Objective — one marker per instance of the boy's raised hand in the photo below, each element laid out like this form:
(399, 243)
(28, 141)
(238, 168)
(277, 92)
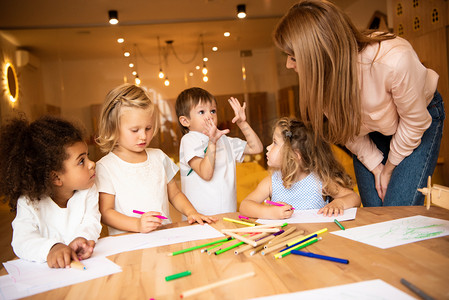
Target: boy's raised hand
(212, 131)
(239, 110)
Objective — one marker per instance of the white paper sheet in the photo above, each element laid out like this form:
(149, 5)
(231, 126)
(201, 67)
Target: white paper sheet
(365, 290)
(312, 216)
(117, 244)
(29, 278)
(397, 232)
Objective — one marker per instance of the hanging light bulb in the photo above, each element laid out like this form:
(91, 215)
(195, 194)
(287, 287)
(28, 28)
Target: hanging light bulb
(166, 82)
(161, 74)
(204, 70)
(241, 11)
(131, 65)
(113, 17)
(137, 80)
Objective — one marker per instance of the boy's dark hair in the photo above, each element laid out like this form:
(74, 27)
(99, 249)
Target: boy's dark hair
(30, 152)
(188, 99)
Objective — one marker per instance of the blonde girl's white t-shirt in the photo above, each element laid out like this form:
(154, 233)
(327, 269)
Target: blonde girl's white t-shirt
(219, 195)
(137, 186)
(39, 225)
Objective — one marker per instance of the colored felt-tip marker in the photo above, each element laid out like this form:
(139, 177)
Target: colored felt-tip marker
(243, 217)
(157, 216)
(339, 225)
(309, 254)
(178, 275)
(239, 222)
(276, 204)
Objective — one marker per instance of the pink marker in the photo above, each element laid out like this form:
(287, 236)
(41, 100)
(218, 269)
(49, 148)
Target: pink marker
(275, 203)
(243, 217)
(141, 213)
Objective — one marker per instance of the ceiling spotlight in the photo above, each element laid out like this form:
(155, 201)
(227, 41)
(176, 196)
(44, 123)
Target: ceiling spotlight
(214, 48)
(241, 11)
(113, 17)
(126, 54)
(120, 40)
(131, 65)
(227, 33)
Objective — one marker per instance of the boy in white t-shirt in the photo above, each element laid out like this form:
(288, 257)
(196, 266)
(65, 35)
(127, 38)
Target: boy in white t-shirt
(207, 156)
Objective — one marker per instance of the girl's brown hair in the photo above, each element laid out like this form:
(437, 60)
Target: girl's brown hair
(315, 155)
(325, 45)
(126, 95)
(30, 152)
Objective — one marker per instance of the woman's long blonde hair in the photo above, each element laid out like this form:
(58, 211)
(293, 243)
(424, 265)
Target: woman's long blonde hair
(326, 44)
(125, 95)
(315, 156)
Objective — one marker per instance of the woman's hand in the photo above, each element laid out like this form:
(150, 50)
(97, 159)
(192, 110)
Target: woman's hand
(382, 176)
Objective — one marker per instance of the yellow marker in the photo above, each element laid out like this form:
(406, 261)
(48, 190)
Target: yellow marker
(240, 222)
(307, 236)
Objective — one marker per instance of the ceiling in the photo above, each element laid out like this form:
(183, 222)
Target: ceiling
(79, 29)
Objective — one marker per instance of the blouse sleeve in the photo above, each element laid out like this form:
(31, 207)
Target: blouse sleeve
(27, 242)
(408, 92)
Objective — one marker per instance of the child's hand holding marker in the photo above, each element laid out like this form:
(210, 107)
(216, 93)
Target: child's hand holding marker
(282, 210)
(149, 221)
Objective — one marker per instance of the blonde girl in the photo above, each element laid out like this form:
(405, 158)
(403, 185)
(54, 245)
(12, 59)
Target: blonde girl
(304, 173)
(131, 177)
(370, 92)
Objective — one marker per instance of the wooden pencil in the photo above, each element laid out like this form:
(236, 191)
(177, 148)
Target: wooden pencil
(207, 287)
(278, 246)
(242, 238)
(251, 229)
(286, 238)
(282, 235)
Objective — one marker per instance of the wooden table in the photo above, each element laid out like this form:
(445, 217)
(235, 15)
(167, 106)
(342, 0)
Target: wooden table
(424, 263)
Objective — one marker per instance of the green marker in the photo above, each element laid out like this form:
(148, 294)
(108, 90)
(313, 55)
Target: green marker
(178, 275)
(339, 225)
(191, 170)
(198, 247)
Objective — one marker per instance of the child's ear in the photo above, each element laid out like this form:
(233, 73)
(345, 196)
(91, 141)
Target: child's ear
(55, 179)
(184, 121)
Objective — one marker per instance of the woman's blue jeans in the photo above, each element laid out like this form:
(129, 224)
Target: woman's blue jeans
(412, 172)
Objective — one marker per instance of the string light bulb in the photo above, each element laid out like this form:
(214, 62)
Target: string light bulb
(166, 82)
(205, 78)
(161, 74)
(137, 80)
(113, 17)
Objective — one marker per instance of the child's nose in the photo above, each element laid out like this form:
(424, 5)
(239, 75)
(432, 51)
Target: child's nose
(91, 164)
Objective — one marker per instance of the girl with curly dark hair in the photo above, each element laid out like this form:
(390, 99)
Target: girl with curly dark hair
(47, 178)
